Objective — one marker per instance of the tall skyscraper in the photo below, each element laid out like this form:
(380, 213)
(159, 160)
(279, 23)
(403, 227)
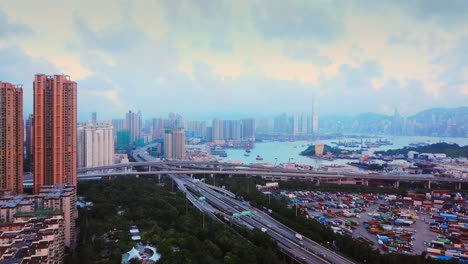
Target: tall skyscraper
(133, 124)
(95, 146)
(315, 117)
(174, 143)
(54, 130)
(248, 129)
(94, 118)
(158, 127)
(11, 138)
(281, 124)
(302, 124)
(217, 130)
(295, 124)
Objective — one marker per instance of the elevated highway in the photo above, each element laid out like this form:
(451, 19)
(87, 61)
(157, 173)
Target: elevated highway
(283, 176)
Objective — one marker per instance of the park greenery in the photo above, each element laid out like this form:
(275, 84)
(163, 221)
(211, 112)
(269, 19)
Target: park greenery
(451, 150)
(245, 188)
(180, 232)
(310, 151)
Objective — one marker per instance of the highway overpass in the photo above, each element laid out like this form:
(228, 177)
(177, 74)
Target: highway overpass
(283, 176)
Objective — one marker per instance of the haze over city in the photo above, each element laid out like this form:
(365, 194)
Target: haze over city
(234, 132)
(241, 58)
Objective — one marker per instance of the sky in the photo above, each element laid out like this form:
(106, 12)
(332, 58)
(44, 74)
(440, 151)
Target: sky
(245, 58)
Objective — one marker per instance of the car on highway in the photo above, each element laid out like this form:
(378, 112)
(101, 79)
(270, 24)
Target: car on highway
(322, 255)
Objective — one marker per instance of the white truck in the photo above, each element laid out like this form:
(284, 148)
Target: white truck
(298, 236)
(263, 230)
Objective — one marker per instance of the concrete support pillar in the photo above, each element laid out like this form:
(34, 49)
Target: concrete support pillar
(191, 175)
(458, 186)
(317, 182)
(339, 181)
(365, 182)
(159, 178)
(397, 184)
(428, 185)
(149, 168)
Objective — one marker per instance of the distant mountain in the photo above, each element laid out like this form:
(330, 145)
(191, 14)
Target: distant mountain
(439, 122)
(432, 122)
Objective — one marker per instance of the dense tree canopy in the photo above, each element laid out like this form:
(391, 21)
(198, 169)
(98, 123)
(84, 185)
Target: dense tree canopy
(164, 222)
(452, 150)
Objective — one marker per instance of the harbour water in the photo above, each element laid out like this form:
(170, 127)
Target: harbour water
(282, 152)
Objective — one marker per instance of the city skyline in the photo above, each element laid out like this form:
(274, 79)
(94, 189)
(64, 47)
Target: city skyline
(242, 58)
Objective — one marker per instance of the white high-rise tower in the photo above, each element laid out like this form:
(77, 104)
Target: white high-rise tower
(315, 116)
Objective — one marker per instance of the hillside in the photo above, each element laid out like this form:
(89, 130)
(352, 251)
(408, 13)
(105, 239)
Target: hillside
(451, 150)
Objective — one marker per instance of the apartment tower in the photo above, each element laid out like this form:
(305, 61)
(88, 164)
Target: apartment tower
(95, 144)
(11, 138)
(54, 130)
(133, 124)
(174, 143)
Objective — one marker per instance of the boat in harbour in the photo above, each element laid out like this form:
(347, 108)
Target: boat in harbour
(259, 158)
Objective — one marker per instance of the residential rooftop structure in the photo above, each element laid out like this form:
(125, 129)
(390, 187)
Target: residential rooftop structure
(35, 237)
(60, 197)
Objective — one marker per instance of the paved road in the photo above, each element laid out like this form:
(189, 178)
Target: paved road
(305, 250)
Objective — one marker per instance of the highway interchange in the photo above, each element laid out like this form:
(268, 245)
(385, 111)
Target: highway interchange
(304, 251)
(220, 202)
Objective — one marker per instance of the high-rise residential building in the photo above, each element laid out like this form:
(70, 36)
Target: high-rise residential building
(118, 124)
(28, 141)
(195, 128)
(174, 143)
(133, 124)
(175, 120)
(158, 127)
(264, 126)
(231, 129)
(54, 130)
(122, 140)
(11, 138)
(248, 129)
(217, 130)
(281, 124)
(95, 144)
(209, 134)
(243, 129)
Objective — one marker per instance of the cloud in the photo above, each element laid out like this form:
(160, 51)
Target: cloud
(244, 57)
(19, 68)
(121, 37)
(9, 29)
(303, 52)
(445, 12)
(293, 20)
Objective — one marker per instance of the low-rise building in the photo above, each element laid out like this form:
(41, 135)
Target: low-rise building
(33, 237)
(60, 197)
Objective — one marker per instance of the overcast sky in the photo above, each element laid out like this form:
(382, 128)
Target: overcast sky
(213, 58)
